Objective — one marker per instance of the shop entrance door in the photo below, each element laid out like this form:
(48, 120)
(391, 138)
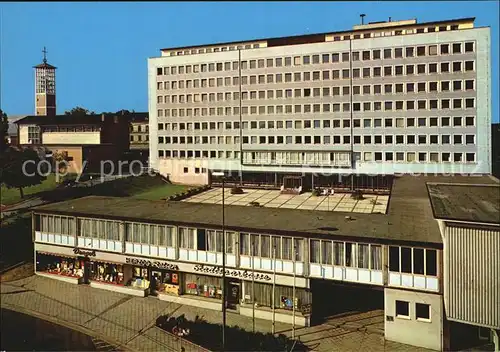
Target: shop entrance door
(233, 297)
(86, 270)
(156, 279)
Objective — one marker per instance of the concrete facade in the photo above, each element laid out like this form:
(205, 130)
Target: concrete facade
(410, 328)
(246, 114)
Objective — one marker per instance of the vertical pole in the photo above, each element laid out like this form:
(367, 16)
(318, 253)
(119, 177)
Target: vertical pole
(274, 289)
(350, 109)
(241, 118)
(253, 281)
(223, 273)
(496, 340)
(293, 299)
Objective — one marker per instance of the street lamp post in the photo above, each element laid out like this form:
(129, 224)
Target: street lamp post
(221, 174)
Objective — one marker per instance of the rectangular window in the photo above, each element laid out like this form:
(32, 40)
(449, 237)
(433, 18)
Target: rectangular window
(423, 311)
(402, 309)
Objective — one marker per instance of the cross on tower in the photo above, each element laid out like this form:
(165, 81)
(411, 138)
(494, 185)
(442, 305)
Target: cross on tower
(44, 51)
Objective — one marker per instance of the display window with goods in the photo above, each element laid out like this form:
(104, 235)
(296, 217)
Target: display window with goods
(57, 265)
(205, 286)
(140, 278)
(164, 282)
(107, 273)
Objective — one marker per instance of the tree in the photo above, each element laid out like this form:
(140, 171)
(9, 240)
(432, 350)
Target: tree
(4, 128)
(79, 111)
(122, 112)
(61, 161)
(20, 168)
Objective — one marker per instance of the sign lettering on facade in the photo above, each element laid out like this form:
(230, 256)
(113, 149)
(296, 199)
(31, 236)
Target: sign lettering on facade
(241, 274)
(151, 263)
(85, 253)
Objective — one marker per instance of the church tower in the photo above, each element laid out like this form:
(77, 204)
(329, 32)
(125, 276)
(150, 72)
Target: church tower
(45, 88)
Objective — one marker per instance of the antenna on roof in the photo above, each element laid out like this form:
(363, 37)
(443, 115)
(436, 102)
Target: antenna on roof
(362, 18)
(390, 18)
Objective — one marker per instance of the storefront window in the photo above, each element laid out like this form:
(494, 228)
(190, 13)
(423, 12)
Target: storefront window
(201, 285)
(139, 278)
(105, 272)
(165, 281)
(59, 265)
(283, 295)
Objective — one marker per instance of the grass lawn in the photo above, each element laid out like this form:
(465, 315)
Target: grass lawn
(160, 192)
(11, 195)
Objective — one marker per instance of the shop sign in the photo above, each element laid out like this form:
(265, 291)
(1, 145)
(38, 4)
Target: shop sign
(83, 252)
(241, 274)
(151, 263)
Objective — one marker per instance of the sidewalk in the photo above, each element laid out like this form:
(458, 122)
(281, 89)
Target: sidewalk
(129, 322)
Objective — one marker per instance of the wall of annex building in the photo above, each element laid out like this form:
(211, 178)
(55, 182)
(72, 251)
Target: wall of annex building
(482, 109)
(414, 318)
(472, 274)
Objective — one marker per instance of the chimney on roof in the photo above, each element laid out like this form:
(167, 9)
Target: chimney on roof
(103, 117)
(362, 18)
(390, 19)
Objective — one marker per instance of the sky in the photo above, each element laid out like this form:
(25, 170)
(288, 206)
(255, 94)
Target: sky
(101, 48)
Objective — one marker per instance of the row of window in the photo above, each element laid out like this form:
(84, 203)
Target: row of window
(422, 311)
(367, 89)
(418, 261)
(83, 128)
(323, 158)
(326, 58)
(139, 138)
(293, 158)
(384, 32)
(398, 122)
(324, 75)
(297, 158)
(140, 128)
(423, 104)
(421, 139)
(213, 49)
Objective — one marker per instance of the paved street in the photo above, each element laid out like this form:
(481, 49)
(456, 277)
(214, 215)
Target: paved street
(128, 322)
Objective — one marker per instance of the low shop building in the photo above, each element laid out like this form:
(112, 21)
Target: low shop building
(293, 266)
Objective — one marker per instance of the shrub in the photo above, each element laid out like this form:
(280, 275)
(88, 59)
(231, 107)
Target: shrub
(357, 195)
(237, 190)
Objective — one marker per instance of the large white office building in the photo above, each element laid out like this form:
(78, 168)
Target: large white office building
(382, 98)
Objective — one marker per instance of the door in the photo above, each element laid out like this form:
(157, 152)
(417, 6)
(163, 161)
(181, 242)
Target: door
(86, 270)
(156, 279)
(233, 297)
